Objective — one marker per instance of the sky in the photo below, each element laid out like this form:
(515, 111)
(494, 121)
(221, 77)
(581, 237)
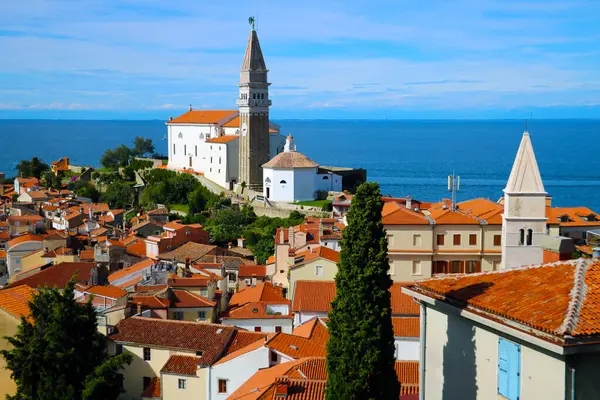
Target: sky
(139, 59)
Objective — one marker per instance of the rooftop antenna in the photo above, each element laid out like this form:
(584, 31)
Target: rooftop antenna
(453, 186)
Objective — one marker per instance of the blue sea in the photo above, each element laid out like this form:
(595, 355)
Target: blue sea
(406, 157)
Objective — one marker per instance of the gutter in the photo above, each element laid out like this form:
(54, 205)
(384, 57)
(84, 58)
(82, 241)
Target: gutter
(423, 341)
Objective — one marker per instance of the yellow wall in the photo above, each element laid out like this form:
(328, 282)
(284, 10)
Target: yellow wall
(401, 267)
(306, 272)
(195, 386)
(8, 327)
(191, 314)
(463, 230)
(402, 237)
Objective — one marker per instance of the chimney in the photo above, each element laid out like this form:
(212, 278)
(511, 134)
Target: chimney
(548, 201)
(139, 308)
(283, 386)
(408, 202)
(241, 242)
(170, 118)
(291, 237)
(289, 144)
(281, 236)
(229, 245)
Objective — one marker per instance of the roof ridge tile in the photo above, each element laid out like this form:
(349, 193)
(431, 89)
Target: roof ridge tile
(578, 295)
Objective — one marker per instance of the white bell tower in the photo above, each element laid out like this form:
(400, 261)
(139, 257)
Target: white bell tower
(524, 218)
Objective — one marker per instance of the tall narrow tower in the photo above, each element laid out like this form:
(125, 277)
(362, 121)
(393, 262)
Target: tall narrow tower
(524, 218)
(254, 106)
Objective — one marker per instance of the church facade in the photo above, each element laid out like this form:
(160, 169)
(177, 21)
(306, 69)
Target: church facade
(230, 146)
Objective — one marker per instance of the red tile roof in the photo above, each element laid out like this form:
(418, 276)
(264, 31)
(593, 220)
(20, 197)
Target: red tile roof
(137, 248)
(307, 328)
(242, 339)
(196, 281)
(316, 252)
(28, 237)
(106, 291)
(298, 347)
(58, 275)
(562, 299)
(204, 117)
(184, 299)
(406, 326)
(265, 291)
(316, 296)
(574, 216)
(251, 347)
(259, 271)
(211, 339)
(151, 301)
(15, 300)
(443, 216)
(401, 215)
(147, 263)
(407, 372)
(181, 365)
(223, 139)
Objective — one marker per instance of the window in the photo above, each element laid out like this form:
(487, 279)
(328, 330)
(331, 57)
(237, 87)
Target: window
(521, 237)
(416, 267)
(180, 136)
(495, 265)
(319, 270)
(184, 149)
(416, 240)
(278, 329)
(440, 239)
(178, 315)
(119, 349)
(257, 329)
(147, 356)
(472, 240)
(455, 267)
(456, 240)
(173, 148)
(219, 171)
(282, 182)
(273, 357)
(325, 177)
(199, 353)
(509, 369)
(497, 240)
(472, 266)
(181, 383)
(196, 150)
(222, 386)
(529, 237)
(201, 315)
(146, 381)
(232, 277)
(203, 291)
(211, 160)
(219, 160)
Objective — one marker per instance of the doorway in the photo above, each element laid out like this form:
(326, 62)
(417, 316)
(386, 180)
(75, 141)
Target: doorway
(268, 192)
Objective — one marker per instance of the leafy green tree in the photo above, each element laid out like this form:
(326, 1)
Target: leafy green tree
(85, 189)
(360, 350)
(119, 195)
(227, 225)
(142, 146)
(58, 353)
(52, 181)
(33, 168)
(115, 158)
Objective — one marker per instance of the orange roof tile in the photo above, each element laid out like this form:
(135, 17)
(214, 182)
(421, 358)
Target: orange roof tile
(211, 339)
(234, 123)
(560, 298)
(15, 300)
(138, 249)
(316, 296)
(181, 365)
(147, 263)
(242, 339)
(151, 301)
(404, 216)
(406, 326)
(252, 270)
(223, 139)
(298, 347)
(290, 159)
(58, 275)
(110, 291)
(407, 372)
(314, 253)
(254, 387)
(307, 328)
(251, 347)
(443, 216)
(253, 311)
(86, 255)
(130, 283)
(265, 291)
(574, 216)
(28, 237)
(204, 117)
(197, 281)
(485, 209)
(185, 299)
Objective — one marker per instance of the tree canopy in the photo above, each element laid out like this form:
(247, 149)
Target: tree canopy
(119, 195)
(360, 350)
(58, 354)
(142, 146)
(32, 168)
(117, 157)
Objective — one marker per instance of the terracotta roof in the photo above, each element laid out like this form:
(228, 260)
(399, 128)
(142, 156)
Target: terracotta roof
(242, 339)
(574, 216)
(15, 300)
(223, 139)
(190, 250)
(147, 263)
(485, 209)
(86, 255)
(138, 249)
(254, 311)
(28, 237)
(59, 251)
(158, 211)
(58, 275)
(295, 389)
(252, 270)
(298, 347)
(181, 365)
(270, 260)
(406, 326)
(234, 123)
(265, 291)
(37, 195)
(307, 328)
(448, 217)
(211, 339)
(560, 298)
(203, 116)
(130, 283)
(2, 254)
(197, 281)
(314, 253)
(185, 299)
(110, 291)
(251, 347)
(290, 159)
(261, 381)
(407, 372)
(401, 215)
(153, 390)
(316, 296)
(151, 301)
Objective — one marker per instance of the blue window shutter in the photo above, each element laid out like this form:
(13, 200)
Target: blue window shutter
(509, 369)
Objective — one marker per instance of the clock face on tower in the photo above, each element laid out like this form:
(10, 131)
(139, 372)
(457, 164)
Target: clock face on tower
(244, 129)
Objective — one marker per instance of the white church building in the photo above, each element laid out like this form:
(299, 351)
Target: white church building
(291, 176)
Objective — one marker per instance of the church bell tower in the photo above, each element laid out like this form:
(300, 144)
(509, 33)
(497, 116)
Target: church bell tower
(253, 103)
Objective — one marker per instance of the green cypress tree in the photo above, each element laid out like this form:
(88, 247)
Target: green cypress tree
(58, 352)
(360, 350)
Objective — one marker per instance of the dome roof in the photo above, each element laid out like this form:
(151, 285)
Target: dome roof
(290, 159)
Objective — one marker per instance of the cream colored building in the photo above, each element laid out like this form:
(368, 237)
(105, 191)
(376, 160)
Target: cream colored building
(525, 333)
(442, 239)
(316, 264)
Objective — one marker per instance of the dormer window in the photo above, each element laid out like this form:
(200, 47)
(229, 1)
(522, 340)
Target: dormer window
(564, 218)
(590, 218)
